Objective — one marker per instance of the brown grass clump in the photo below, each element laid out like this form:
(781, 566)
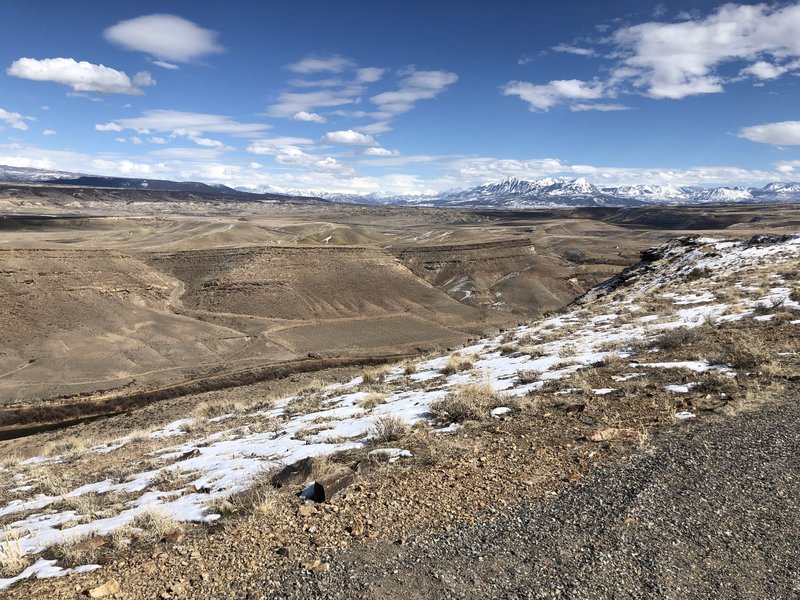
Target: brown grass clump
(372, 400)
(388, 428)
(155, 525)
(409, 367)
(509, 348)
(375, 375)
(528, 376)
(12, 561)
(471, 402)
(677, 338)
(75, 550)
(457, 363)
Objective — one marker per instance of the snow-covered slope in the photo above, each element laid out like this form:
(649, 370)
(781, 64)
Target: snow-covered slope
(28, 175)
(515, 193)
(724, 195)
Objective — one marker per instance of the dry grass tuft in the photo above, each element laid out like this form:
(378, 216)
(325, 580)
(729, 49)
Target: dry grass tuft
(409, 367)
(528, 376)
(73, 550)
(471, 402)
(388, 428)
(375, 375)
(457, 363)
(12, 561)
(155, 525)
(371, 400)
(677, 338)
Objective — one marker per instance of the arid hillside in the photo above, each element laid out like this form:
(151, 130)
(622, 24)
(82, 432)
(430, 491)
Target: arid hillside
(690, 352)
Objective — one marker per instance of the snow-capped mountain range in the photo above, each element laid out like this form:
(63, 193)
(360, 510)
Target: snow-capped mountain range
(513, 193)
(510, 193)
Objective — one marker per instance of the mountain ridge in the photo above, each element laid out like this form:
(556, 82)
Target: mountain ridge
(508, 193)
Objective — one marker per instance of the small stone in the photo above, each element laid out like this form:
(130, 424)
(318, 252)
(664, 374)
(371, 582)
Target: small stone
(173, 536)
(101, 591)
(307, 510)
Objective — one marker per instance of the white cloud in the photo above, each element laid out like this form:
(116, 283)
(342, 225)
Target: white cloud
(788, 166)
(378, 151)
(308, 117)
(157, 140)
(544, 97)
(14, 119)
(166, 65)
(578, 51)
(375, 128)
(784, 133)
(311, 83)
(331, 64)
(685, 58)
(675, 60)
(136, 140)
(349, 137)
(193, 154)
(80, 76)
(49, 132)
(370, 74)
(275, 144)
(168, 38)
(201, 141)
(186, 123)
(415, 86)
(600, 106)
(292, 103)
(766, 70)
(107, 127)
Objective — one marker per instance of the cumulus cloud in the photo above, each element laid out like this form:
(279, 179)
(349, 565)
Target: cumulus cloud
(107, 127)
(13, 119)
(80, 76)
(168, 38)
(330, 64)
(49, 132)
(544, 97)
(783, 133)
(675, 60)
(308, 117)
(766, 70)
(349, 137)
(186, 123)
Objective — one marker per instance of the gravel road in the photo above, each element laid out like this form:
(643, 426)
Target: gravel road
(709, 511)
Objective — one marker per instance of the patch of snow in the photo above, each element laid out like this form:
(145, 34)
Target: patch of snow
(500, 411)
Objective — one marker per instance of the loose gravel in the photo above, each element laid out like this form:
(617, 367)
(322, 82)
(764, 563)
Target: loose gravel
(710, 511)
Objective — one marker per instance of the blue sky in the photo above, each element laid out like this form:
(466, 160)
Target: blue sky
(403, 97)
